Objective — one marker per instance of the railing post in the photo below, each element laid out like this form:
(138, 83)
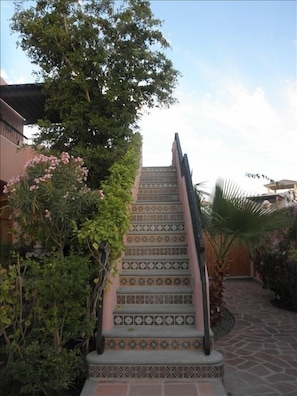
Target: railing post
(100, 339)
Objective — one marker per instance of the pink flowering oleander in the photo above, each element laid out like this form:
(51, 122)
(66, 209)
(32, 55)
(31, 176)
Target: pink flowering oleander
(52, 163)
(65, 157)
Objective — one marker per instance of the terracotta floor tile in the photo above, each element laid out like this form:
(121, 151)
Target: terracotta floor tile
(180, 390)
(205, 389)
(111, 389)
(145, 389)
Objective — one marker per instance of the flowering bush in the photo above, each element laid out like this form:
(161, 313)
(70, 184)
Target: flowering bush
(50, 199)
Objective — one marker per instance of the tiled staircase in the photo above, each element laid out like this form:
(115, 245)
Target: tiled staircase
(154, 333)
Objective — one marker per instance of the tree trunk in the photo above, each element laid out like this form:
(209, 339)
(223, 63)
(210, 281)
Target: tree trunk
(216, 293)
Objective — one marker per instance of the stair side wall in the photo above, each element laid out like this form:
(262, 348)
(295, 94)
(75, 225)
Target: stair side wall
(193, 260)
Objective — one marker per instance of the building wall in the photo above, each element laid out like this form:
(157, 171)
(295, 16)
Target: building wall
(13, 157)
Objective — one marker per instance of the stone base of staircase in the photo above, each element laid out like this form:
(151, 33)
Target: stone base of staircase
(179, 364)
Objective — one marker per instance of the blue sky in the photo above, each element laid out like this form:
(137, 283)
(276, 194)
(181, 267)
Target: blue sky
(237, 110)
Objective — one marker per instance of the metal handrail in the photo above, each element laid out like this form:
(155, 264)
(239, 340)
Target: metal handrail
(198, 236)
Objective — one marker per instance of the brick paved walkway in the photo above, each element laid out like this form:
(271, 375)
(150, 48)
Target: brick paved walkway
(260, 352)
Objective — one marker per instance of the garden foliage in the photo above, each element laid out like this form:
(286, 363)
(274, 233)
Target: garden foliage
(47, 303)
(275, 260)
(231, 218)
(102, 62)
(50, 199)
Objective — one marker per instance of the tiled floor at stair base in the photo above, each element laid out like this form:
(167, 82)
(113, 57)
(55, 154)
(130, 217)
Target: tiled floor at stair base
(154, 388)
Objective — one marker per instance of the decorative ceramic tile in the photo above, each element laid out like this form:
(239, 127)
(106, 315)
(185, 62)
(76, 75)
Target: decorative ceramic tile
(150, 228)
(157, 169)
(153, 319)
(155, 238)
(157, 208)
(156, 185)
(156, 371)
(156, 251)
(156, 218)
(154, 344)
(155, 265)
(157, 191)
(158, 280)
(158, 197)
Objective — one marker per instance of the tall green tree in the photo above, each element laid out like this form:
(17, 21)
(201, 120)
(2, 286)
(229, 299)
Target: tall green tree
(103, 63)
(230, 219)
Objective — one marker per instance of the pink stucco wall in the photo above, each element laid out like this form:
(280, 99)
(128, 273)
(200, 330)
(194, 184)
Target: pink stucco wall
(193, 260)
(12, 158)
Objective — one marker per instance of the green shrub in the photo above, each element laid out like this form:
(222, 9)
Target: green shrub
(113, 220)
(44, 321)
(276, 262)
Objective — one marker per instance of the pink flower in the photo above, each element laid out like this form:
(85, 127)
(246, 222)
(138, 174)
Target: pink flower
(65, 157)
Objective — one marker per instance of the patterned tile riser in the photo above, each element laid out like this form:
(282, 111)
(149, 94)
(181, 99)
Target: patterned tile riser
(151, 344)
(157, 208)
(153, 218)
(158, 169)
(154, 299)
(156, 371)
(157, 191)
(155, 239)
(163, 185)
(122, 319)
(158, 197)
(156, 228)
(135, 280)
(148, 179)
(155, 265)
(156, 251)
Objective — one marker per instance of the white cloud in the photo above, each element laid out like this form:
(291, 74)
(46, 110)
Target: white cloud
(13, 77)
(228, 133)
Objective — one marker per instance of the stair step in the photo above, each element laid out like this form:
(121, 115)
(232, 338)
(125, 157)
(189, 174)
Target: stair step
(155, 364)
(155, 238)
(157, 169)
(186, 331)
(147, 218)
(149, 263)
(159, 295)
(157, 208)
(156, 185)
(158, 198)
(149, 314)
(159, 251)
(153, 338)
(157, 280)
(156, 227)
(158, 191)
(155, 290)
(165, 309)
(169, 177)
(154, 299)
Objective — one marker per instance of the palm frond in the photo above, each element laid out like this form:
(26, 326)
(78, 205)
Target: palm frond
(232, 216)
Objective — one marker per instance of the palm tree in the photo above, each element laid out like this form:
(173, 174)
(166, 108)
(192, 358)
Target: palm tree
(231, 218)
